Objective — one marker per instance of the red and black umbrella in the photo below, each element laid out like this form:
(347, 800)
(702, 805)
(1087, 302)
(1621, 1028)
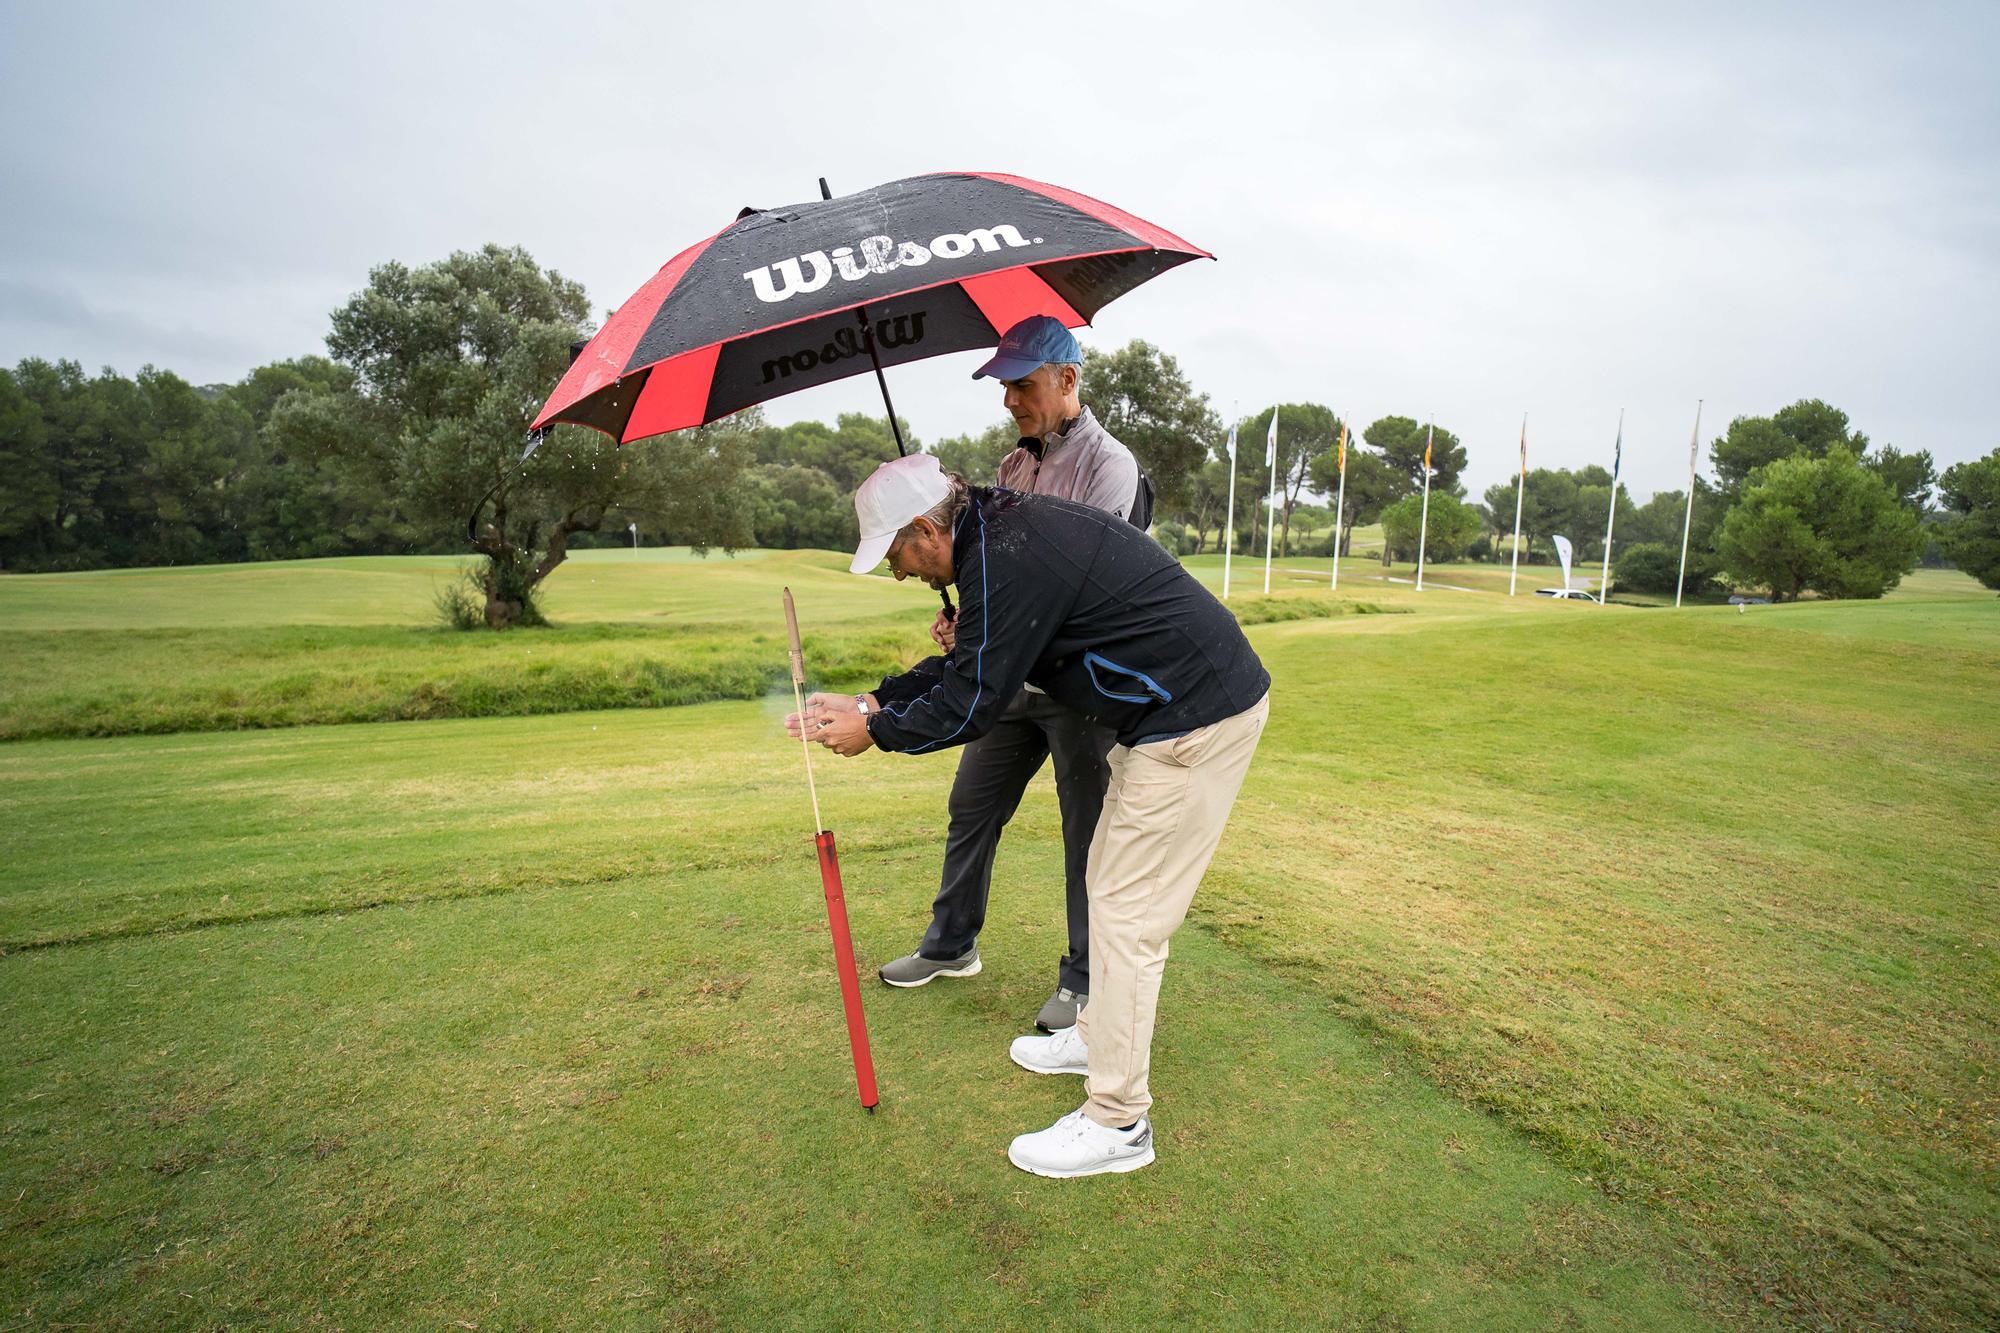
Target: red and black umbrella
(788, 298)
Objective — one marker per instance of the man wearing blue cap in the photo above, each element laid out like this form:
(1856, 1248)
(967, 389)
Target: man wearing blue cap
(1063, 452)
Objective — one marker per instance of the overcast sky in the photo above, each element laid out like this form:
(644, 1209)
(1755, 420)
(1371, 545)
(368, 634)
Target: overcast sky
(1465, 209)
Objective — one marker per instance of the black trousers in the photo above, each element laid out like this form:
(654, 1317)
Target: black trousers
(993, 771)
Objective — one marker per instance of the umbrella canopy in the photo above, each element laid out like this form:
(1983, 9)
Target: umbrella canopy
(789, 298)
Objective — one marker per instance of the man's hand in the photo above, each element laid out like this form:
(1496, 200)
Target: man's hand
(845, 733)
(835, 721)
(944, 631)
(818, 706)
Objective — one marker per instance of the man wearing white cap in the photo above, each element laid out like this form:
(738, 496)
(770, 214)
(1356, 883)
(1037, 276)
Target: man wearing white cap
(1097, 615)
(1064, 452)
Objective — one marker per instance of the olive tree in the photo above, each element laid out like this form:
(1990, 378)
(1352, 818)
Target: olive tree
(450, 362)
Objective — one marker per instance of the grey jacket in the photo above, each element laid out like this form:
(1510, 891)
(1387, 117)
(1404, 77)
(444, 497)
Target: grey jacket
(1086, 465)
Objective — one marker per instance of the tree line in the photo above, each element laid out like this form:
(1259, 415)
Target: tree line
(408, 436)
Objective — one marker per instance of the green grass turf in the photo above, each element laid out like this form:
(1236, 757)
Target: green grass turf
(1563, 965)
(622, 1097)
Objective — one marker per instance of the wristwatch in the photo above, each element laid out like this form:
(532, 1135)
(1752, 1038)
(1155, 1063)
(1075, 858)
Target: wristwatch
(861, 704)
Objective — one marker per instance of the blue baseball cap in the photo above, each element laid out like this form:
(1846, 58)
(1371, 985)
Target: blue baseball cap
(1034, 342)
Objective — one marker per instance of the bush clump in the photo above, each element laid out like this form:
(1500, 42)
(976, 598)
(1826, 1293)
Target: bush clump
(461, 603)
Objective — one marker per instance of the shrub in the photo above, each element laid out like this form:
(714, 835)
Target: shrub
(1174, 536)
(461, 603)
(1646, 567)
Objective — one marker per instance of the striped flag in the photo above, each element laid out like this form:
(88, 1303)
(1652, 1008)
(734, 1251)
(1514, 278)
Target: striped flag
(1520, 493)
(1339, 508)
(1428, 432)
(1617, 453)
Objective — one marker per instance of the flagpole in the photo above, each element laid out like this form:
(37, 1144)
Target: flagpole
(1229, 517)
(1339, 506)
(1424, 530)
(1687, 523)
(1520, 486)
(1617, 453)
(1271, 504)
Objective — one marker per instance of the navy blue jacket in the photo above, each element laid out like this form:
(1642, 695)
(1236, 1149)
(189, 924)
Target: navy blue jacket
(1084, 606)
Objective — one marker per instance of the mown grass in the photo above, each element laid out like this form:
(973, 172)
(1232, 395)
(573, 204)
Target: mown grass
(582, 1065)
(1704, 903)
(1563, 965)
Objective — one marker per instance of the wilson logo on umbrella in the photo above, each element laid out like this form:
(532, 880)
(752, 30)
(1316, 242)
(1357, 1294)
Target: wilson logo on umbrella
(879, 254)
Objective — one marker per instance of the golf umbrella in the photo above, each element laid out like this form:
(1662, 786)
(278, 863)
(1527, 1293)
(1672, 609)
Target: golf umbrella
(789, 298)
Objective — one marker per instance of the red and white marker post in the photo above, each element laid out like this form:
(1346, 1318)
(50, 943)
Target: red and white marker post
(836, 899)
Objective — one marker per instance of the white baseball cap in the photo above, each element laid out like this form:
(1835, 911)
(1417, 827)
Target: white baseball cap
(898, 491)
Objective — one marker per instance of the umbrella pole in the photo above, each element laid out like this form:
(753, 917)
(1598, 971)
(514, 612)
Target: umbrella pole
(836, 898)
(874, 358)
(882, 382)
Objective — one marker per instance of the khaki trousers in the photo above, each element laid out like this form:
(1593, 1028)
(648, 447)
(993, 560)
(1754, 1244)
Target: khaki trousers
(1163, 815)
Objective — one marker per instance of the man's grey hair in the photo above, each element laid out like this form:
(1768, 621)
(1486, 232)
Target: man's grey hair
(1057, 366)
(946, 511)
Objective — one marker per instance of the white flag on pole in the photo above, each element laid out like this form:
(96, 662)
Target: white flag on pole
(1271, 502)
(1424, 524)
(1562, 552)
(1611, 514)
(1232, 444)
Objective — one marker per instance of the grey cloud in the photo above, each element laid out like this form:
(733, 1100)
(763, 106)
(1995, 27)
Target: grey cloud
(1563, 207)
(55, 322)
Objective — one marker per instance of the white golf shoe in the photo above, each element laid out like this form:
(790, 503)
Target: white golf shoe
(1076, 1145)
(1061, 1052)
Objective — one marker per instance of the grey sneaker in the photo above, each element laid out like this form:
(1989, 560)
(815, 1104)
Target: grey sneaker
(1060, 1011)
(916, 969)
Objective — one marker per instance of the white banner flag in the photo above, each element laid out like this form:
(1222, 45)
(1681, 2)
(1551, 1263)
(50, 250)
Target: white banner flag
(1562, 552)
(1232, 444)
(1271, 441)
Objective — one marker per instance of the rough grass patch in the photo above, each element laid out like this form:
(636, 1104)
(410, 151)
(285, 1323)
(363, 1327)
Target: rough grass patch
(76, 683)
(1301, 606)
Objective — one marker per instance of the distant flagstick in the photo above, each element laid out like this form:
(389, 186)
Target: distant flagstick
(1424, 531)
(1270, 505)
(1339, 506)
(1617, 454)
(1687, 524)
(1519, 486)
(1229, 518)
